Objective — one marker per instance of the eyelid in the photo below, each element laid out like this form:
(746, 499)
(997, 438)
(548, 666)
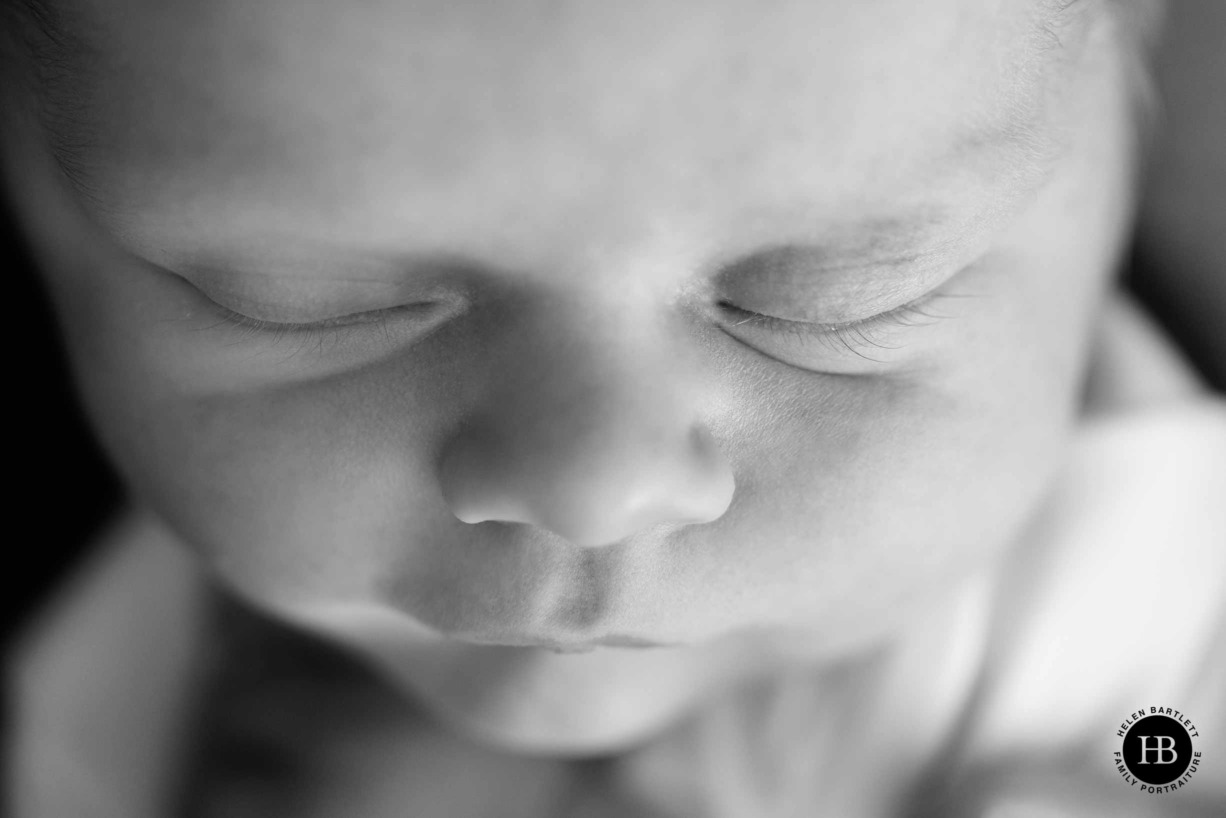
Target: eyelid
(367, 331)
(896, 314)
(237, 307)
(337, 322)
(853, 336)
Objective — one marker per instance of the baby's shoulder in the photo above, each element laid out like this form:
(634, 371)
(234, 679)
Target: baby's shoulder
(102, 676)
(1115, 608)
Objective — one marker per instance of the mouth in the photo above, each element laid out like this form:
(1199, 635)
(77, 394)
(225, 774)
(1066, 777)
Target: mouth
(564, 646)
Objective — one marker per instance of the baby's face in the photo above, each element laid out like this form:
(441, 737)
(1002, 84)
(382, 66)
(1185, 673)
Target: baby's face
(551, 323)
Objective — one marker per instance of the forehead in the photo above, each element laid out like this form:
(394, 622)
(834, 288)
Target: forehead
(369, 122)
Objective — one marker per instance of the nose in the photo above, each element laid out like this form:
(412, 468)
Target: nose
(592, 439)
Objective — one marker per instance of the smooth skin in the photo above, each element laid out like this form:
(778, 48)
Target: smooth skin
(536, 422)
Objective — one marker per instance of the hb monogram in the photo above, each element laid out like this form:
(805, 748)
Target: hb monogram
(1165, 744)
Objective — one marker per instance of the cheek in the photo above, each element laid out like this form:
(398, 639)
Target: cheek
(860, 498)
(304, 491)
(876, 498)
(296, 494)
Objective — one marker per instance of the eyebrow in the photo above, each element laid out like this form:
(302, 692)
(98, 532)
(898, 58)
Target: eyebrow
(1015, 158)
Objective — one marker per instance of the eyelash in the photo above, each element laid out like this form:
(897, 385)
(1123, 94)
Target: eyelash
(853, 336)
(320, 333)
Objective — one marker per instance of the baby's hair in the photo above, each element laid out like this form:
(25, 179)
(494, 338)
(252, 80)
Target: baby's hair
(46, 60)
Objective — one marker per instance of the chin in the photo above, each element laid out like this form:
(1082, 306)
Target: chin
(531, 700)
(573, 733)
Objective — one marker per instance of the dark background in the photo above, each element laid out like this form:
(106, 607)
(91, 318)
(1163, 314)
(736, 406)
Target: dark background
(64, 488)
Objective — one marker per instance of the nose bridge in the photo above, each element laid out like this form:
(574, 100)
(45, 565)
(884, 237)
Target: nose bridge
(599, 388)
(591, 430)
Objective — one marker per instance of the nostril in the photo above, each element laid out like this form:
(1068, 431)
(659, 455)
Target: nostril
(475, 485)
(591, 489)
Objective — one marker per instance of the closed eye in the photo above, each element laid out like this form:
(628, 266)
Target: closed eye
(858, 337)
(390, 325)
(349, 320)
